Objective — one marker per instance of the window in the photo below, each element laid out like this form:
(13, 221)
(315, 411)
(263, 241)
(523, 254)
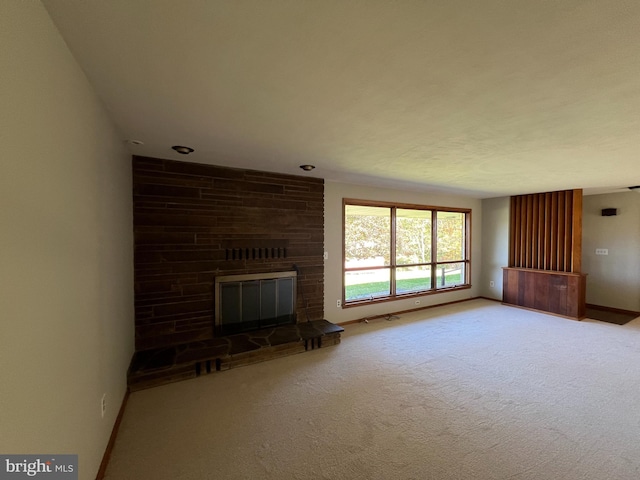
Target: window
(394, 251)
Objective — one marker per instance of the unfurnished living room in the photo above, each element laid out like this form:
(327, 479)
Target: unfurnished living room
(300, 239)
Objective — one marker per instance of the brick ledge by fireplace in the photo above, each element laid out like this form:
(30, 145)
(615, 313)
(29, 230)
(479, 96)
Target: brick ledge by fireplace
(151, 368)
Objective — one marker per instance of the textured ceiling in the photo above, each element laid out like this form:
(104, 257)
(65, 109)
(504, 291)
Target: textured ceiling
(477, 97)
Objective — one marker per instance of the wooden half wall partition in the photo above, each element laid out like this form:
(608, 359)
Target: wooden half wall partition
(545, 254)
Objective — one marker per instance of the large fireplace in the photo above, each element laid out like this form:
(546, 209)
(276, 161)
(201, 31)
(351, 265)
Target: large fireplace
(194, 223)
(252, 301)
(204, 231)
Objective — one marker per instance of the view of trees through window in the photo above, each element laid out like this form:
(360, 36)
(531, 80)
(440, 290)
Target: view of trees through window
(399, 250)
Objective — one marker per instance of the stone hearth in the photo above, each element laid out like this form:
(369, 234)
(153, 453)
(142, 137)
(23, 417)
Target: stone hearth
(150, 368)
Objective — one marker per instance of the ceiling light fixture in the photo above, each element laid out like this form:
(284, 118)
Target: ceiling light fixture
(307, 168)
(183, 150)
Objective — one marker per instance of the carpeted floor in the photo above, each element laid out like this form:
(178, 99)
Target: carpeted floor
(475, 390)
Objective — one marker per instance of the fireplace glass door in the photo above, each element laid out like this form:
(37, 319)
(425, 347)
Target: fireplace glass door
(251, 302)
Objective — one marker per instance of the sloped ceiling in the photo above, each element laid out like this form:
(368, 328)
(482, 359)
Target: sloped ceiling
(483, 98)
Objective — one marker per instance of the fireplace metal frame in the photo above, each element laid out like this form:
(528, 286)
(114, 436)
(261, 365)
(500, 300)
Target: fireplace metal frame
(250, 277)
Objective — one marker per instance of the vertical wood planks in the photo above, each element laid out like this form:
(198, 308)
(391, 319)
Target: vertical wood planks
(576, 237)
(546, 231)
(553, 265)
(512, 223)
(561, 233)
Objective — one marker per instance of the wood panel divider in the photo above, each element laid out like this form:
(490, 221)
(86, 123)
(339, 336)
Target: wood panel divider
(546, 231)
(545, 253)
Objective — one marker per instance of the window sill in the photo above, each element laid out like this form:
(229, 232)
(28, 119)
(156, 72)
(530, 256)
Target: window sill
(359, 303)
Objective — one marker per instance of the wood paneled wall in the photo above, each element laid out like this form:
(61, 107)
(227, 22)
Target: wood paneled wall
(554, 292)
(546, 231)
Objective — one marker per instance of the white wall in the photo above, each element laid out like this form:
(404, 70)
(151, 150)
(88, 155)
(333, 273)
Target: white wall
(495, 245)
(66, 268)
(613, 280)
(333, 194)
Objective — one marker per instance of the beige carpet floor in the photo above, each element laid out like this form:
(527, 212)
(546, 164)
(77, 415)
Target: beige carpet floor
(475, 390)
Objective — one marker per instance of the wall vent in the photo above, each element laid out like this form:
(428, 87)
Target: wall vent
(256, 253)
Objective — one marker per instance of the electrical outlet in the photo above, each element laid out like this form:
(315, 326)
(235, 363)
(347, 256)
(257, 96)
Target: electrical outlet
(103, 404)
(492, 284)
(417, 302)
(325, 256)
(339, 303)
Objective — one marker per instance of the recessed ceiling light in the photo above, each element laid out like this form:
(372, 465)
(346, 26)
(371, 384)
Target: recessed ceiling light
(183, 150)
(307, 168)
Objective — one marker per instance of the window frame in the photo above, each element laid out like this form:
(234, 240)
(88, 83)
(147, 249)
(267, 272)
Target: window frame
(393, 265)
